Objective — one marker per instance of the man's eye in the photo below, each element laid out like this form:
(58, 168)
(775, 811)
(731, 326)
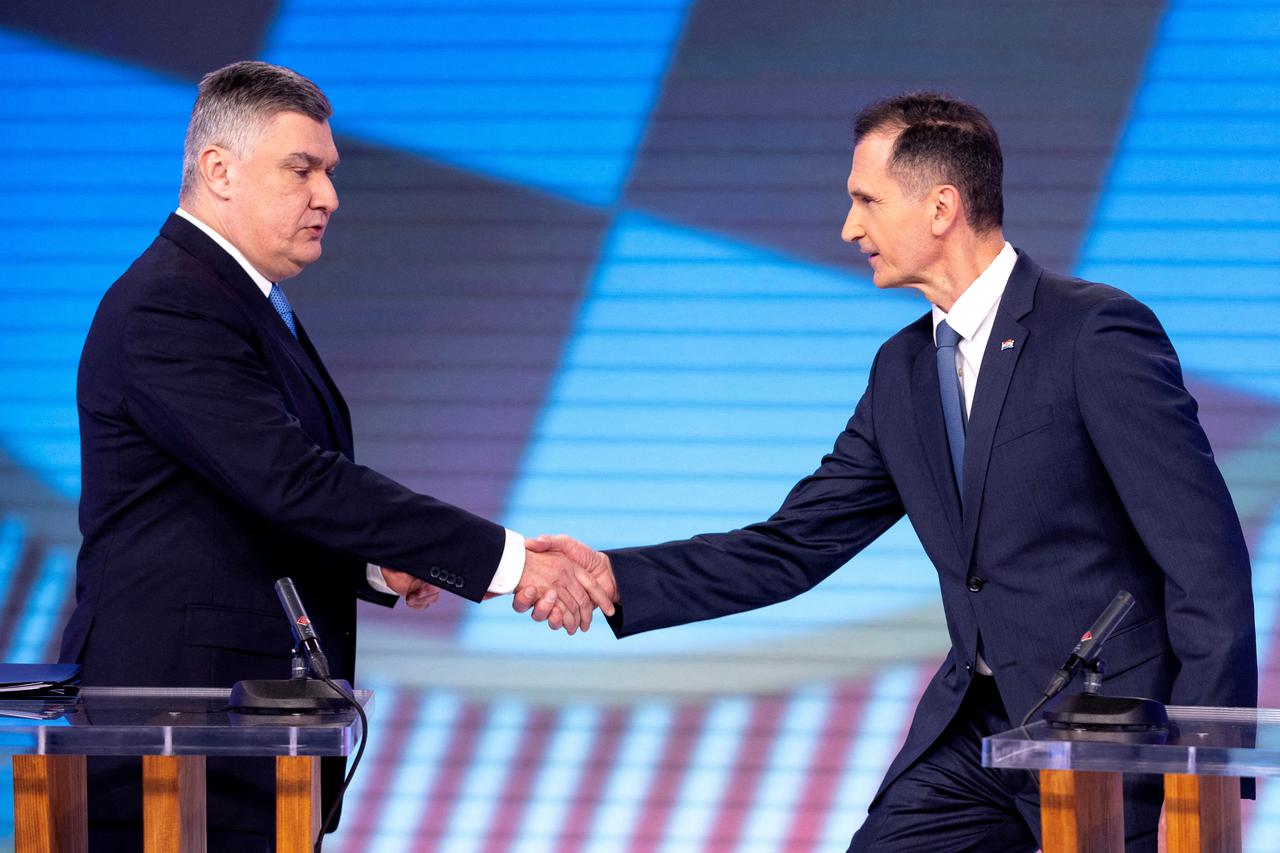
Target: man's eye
(301, 173)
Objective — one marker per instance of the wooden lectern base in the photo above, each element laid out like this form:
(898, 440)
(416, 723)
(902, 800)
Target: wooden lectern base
(297, 803)
(1083, 812)
(173, 804)
(50, 804)
(1202, 813)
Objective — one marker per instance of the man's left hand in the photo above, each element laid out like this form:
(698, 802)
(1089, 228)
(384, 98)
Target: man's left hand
(416, 592)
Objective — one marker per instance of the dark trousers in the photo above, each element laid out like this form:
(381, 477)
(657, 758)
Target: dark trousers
(947, 800)
(106, 837)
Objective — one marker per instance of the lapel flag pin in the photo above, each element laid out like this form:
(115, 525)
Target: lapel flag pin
(1007, 343)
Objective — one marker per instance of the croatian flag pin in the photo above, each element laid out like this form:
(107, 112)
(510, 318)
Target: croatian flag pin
(1007, 343)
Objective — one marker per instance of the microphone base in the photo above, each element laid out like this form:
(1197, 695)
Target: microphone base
(1092, 712)
(287, 695)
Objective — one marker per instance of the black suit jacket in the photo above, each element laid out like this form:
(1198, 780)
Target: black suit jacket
(217, 457)
(1086, 472)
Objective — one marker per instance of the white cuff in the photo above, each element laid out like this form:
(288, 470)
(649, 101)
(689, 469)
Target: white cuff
(510, 567)
(373, 575)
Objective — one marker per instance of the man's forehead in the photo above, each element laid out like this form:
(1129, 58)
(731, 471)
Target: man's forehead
(290, 137)
(871, 158)
(874, 149)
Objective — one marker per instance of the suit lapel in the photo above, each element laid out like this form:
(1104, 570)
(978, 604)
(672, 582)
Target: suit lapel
(998, 363)
(310, 367)
(926, 401)
(261, 312)
(333, 395)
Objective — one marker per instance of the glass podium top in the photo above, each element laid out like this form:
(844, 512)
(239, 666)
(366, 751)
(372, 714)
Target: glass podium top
(1202, 741)
(167, 721)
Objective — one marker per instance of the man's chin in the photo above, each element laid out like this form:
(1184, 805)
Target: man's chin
(302, 260)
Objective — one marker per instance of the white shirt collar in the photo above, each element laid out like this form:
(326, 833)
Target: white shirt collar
(978, 300)
(258, 278)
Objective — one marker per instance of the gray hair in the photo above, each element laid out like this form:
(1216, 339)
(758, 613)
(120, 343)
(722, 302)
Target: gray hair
(234, 105)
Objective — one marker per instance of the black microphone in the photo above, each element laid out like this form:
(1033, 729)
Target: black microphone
(304, 636)
(1090, 645)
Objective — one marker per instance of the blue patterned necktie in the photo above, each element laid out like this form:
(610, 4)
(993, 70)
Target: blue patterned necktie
(281, 303)
(952, 397)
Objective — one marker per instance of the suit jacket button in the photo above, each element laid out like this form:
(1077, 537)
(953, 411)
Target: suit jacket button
(435, 572)
(968, 668)
(975, 583)
(458, 583)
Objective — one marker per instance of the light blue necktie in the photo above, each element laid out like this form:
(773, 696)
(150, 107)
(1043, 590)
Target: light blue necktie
(281, 303)
(952, 397)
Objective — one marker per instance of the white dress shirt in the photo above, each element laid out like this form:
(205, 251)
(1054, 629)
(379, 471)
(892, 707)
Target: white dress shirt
(510, 566)
(972, 317)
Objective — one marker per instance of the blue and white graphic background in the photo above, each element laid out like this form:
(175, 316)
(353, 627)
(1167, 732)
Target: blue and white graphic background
(587, 278)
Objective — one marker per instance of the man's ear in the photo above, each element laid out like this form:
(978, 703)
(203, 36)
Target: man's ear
(214, 165)
(947, 211)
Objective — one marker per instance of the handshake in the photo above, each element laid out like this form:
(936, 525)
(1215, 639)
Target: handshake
(563, 582)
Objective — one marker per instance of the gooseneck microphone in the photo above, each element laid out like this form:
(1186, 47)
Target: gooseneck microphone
(304, 636)
(1090, 645)
(1089, 711)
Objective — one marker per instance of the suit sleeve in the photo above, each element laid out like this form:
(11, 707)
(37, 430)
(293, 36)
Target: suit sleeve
(194, 383)
(827, 518)
(1143, 424)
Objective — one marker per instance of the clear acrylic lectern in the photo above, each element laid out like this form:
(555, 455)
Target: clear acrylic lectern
(1201, 755)
(173, 730)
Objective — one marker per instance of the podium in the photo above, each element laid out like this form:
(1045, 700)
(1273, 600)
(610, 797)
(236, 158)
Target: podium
(1202, 756)
(173, 730)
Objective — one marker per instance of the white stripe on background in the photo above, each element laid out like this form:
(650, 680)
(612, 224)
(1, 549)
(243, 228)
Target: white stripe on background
(886, 716)
(565, 761)
(707, 782)
(485, 777)
(629, 780)
(788, 765)
(402, 809)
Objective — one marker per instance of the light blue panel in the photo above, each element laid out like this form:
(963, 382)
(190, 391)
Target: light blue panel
(13, 534)
(1194, 22)
(1221, 209)
(698, 412)
(39, 617)
(1186, 221)
(1219, 60)
(660, 348)
(1266, 587)
(94, 154)
(554, 97)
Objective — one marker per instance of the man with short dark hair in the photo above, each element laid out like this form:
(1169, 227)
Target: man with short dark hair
(217, 457)
(1036, 431)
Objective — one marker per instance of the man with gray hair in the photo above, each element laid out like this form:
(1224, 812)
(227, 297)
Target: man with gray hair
(217, 457)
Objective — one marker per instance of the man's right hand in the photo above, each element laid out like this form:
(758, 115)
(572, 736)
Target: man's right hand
(594, 563)
(562, 592)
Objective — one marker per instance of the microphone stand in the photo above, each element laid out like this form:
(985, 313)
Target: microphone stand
(301, 693)
(1091, 711)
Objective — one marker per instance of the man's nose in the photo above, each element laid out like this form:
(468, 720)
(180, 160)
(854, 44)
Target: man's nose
(852, 230)
(325, 196)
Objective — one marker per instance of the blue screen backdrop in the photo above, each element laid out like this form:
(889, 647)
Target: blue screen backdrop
(587, 278)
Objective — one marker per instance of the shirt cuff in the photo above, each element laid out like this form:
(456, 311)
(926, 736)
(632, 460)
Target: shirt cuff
(510, 567)
(373, 575)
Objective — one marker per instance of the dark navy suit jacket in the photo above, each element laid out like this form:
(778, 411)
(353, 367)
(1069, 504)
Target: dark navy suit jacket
(217, 457)
(1086, 472)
